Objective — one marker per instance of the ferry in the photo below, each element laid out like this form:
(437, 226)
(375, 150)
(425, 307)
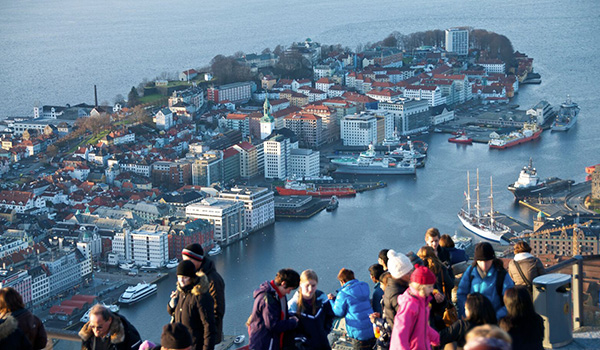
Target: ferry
(528, 184)
(136, 293)
(86, 317)
(567, 116)
(367, 163)
(295, 188)
(529, 132)
(483, 225)
(215, 251)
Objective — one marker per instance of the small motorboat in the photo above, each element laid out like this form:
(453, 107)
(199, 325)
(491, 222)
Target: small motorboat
(239, 339)
(333, 204)
(216, 250)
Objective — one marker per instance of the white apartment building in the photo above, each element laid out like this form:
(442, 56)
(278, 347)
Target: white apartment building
(65, 270)
(277, 156)
(359, 129)
(304, 162)
(457, 40)
(432, 94)
(40, 284)
(9, 246)
(208, 169)
(150, 245)
(259, 205)
(251, 159)
(227, 217)
(410, 116)
(234, 92)
(164, 119)
(492, 66)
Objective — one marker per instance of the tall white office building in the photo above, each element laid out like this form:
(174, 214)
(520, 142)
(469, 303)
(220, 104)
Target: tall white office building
(457, 40)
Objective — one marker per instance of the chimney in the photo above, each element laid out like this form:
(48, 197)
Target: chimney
(95, 96)
(60, 243)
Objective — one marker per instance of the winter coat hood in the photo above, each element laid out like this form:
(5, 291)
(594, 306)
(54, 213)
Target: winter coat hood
(200, 285)
(116, 331)
(264, 287)
(7, 327)
(356, 289)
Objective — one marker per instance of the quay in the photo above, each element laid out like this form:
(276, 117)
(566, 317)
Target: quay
(561, 203)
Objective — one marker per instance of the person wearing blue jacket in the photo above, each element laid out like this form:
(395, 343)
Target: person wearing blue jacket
(486, 276)
(352, 302)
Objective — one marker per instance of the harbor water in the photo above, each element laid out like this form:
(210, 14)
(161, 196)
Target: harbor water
(54, 51)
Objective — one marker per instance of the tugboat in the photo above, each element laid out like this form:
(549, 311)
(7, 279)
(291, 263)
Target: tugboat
(567, 116)
(462, 139)
(528, 184)
(333, 204)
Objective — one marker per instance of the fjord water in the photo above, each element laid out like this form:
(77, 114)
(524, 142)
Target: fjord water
(54, 51)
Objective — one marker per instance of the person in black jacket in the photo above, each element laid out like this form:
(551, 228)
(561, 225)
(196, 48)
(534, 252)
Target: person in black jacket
(478, 310)
(195, 253)
(11, 337)
(192, 305)
(400, 267)
(11, 303)
(523, 324)
(432, 239)
(314, 313)
(108, 331)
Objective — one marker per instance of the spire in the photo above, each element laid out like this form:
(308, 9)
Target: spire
(267, 116)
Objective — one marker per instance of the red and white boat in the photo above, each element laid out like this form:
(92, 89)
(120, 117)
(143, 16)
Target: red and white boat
(295, 188)
(529, 132)
(462, 139)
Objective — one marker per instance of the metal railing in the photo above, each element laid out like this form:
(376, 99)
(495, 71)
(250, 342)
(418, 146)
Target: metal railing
(584, 314)
(55, 334)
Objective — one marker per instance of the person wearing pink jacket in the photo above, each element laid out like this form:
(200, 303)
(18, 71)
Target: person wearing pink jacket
(411, 325)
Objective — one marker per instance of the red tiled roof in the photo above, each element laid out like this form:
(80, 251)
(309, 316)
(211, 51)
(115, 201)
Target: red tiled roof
(15, 196)
(230, 152)
(245, 145)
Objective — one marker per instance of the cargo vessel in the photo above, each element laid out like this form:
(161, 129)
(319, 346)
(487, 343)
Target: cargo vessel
(529, 132)
(295, 188)
(567, 116)
(528, 184)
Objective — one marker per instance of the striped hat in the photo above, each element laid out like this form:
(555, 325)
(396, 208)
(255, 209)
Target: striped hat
(193, 251)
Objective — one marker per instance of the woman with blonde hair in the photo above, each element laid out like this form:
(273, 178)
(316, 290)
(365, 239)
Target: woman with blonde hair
(444, 281)
(313, 309)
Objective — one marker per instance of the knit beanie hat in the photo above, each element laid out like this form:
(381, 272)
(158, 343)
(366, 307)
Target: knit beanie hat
(484, 251)
(186, 268)
(175, 336)
(414, 258)
(422, 275)
(193, 251)
(398, 264)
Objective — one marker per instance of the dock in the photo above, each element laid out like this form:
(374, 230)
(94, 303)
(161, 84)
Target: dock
(561, 203)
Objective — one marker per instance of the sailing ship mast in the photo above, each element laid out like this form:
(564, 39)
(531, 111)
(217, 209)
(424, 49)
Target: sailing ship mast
(477, 206)
(491, 203)
(468, 193)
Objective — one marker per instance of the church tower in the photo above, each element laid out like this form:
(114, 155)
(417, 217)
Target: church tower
(267, 122)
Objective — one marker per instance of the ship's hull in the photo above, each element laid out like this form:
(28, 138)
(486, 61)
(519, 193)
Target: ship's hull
(322, 192)
(467, 141)
(550, 185)
(558, 126)
(482, 232)
(518, 141)
(139, 296)
(375, 170)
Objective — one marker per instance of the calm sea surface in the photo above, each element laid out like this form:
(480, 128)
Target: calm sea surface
(54, 51)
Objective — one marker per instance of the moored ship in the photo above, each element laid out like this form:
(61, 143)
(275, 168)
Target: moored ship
(528, 184)
(567, 116)
(529, 132)
(483, 225)
(294, 188)
(461, 139)
(136, 293)
(368, 163)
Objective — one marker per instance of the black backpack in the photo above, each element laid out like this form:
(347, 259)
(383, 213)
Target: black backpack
(500, 276)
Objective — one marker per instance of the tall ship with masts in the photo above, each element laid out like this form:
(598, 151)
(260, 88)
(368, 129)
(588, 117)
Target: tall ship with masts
(482, 224)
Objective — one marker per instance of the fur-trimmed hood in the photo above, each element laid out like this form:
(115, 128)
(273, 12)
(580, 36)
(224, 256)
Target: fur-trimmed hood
(8, 325)
(116, 331)
(201, 285)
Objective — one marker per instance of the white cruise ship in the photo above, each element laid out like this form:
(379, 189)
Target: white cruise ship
(136, 293)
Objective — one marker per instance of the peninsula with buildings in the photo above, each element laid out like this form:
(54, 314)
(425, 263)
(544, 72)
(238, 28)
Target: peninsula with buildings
(197, 158)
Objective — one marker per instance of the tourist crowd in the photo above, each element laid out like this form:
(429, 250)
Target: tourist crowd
(430, 300)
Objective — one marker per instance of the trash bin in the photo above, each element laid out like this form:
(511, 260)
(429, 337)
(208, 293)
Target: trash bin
(552, 300)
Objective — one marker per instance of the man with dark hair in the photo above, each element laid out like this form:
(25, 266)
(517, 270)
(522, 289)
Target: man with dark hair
(269, 319)
(352, 303)
(376, 271)
(383, 258)
(106, 330)
(432, 239)
(216, 286)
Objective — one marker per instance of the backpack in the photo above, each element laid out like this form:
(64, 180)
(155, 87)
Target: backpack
(500, 276)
